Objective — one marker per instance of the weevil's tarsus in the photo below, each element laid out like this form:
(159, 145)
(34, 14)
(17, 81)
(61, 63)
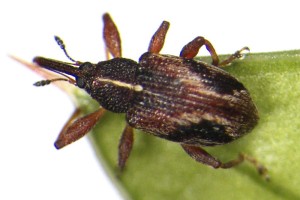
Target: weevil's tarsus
(202, 156)
(111, 36)
(190, 50)
(158, 39)
(237, 55)
(262, 170)
(125, 146)
(76, 128)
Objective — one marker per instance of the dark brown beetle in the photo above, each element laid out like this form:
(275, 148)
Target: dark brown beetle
(175, 98)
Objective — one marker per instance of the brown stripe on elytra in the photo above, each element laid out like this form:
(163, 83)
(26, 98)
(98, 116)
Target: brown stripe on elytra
(176, 67)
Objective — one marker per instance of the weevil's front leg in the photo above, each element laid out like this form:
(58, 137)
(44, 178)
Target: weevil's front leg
(125, 146)
(190, 50)
(200, 155)
(238, 54)
(158, 39)
(111, 36)
(76, 128)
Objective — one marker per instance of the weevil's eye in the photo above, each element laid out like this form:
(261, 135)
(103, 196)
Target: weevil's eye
(80, 82)
(86, 69)
(87, 66)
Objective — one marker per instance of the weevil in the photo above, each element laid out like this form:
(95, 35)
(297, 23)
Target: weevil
(176, 98)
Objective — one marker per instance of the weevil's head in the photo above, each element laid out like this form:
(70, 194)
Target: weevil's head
(112, 83)
(80, 72)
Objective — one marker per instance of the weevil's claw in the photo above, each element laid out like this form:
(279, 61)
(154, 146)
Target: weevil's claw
(245, 49)
(263, 171)
(241, 53)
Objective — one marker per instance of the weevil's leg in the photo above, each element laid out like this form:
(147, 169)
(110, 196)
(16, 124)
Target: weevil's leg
(73, 117)
(200, 155)
(238, 54)
(111, 36)
(125, 146)
(190, 50)
(76, 128)
(158, 39)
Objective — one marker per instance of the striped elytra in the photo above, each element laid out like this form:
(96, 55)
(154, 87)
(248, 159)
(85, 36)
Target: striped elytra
(190, 102)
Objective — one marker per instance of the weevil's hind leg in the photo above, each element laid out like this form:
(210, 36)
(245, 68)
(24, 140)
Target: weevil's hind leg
(200, 155)
(190, 50)
(125, 146)
(111, 36)
(76, 128)
(237, 55)
(158, 39)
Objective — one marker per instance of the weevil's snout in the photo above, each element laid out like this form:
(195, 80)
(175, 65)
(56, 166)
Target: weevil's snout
(57, 66)
(38, 60)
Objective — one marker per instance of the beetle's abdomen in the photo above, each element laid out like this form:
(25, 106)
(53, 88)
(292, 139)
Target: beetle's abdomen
(190, 102)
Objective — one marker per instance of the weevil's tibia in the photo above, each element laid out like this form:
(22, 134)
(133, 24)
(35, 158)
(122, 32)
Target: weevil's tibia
(190, 50)
(237, 55)
(125, 146)
(200, 155)
(76, 128)
(158, 39)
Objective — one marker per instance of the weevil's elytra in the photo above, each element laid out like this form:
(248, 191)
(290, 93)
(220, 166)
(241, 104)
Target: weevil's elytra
(173, 97)
(188, 103)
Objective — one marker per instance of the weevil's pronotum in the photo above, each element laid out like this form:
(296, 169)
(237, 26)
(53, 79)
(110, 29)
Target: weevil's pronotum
(176, 98)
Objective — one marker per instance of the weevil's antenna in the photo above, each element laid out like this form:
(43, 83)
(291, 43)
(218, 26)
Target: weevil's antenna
(60, 42)
(48, 81)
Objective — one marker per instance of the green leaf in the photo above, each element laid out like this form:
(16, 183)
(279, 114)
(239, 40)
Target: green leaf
(159, 169)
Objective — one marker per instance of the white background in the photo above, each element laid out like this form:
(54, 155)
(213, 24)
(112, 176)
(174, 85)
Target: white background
(31, 118)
